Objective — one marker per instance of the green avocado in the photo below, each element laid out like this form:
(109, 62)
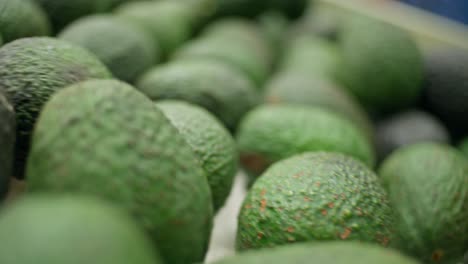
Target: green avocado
(49, 229)
(21, 19)
(380, 64)
(322, 253)
(61, 12)
(428, 187)
(7, 141)
(124, 48)
(315, 196)
(31, 70)
(408, 128)
(311, 55)
(104, 138)
(214, 146)
(446, 87)
(274, 132)
(244, 47)
(215, 86)
(301, 88)
(168, 22)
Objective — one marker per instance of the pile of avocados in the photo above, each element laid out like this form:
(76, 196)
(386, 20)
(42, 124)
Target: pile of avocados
(126, 124)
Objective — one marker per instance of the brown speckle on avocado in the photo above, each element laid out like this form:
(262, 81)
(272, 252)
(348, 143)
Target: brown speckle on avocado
(263, 192)
(290, 229)
(263, 204)
(345, 234)
(324, 212)
(259, 235)
(437, 255)
(331, 205)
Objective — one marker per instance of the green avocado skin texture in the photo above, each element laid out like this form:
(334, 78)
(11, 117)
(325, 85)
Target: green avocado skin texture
(31, 70)
(104, 138)
(295, 129)
(168, 22)
(304, 89)
(316, 196)
(124, 48)
(7, 141)
(380, 64)
(61, 13)
(21, 19)
(213, 144)
(216, 87)
(336, 252)
(77, 229)
(428, 188)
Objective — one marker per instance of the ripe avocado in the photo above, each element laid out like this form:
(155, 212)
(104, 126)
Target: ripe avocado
(124, 48)
(244, 47)
(381, 64)
(214, 146)
(31, 70)
(312, 56)
(322, 253)
(427, 185)
(315, 196)
(169, 22)
(223, 91)
(61, 12)
(408, 128)
(300, 88)
(274, 132)
(446, 87)
(21, 19)
(104, 138)
(7, 141)
(47, 229)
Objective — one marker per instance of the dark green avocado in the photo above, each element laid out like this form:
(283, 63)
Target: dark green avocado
(315, 196)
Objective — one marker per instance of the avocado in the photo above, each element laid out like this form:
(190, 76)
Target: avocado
(380, 64)
(406, 128)
(299, 88)
(21, 19)
(315, 196)
(124, 48)
(275, 26)
(104, 138)
(31, 70)
(61, 12)
(48, 229)
(322, 253)
(168, 22)
(7, 141)
(311, 55)
(223, 91)
(244, 48)
(214, 146)
(324, 21)
(446, 87)
(273, 132)
(427, 185)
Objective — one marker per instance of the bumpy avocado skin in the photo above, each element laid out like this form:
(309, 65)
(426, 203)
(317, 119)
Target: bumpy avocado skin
(323, 253)
(7, 141)
(104, 138)
(381, 64)
(223, 91)
(272, 133)
(213, 144)
(301, 88)
(21, 19)
(315, 196)
(446, 87)
(428, 188)
(61, 13)
(76, 229)
(31, 70)
(124, 48)
(168, 22)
